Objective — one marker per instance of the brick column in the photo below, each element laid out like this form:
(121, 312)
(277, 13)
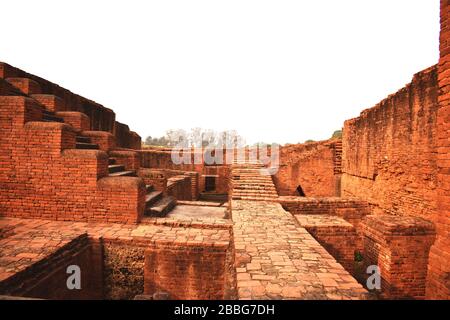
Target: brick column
(399, 246)
(438, 284)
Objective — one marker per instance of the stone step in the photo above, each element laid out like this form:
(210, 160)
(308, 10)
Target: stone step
(82, 139)
(162, 207)
(116, 168)
(82, 145)
(254, 190)
(254, 198)
(252, 183)
(254, 194)
(51, 118)
(259, 188)
(112, 161)
(152, 197)
(255, 179)
(123, 174)
(149, 188)
(47, 112)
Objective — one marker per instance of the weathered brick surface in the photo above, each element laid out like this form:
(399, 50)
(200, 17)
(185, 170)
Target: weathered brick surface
(439, 266)
(160, 158)
(125, 137)
(129, 158)
(338, 236)
(79, 121)
(42, 175)
(314, 166)
(179, 187)
(27, 86)
(186, 272)
(399, 246)
(30, 244)
(33, 262)
(389, 157)
(352, 210)
(103, 139)
(101, 118)
(154, 177)
(276, 259)
(51, 102)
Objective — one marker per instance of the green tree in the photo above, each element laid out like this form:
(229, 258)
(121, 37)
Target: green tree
(337, 134)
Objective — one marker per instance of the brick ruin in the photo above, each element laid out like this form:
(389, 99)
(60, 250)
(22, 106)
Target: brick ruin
(77, 188)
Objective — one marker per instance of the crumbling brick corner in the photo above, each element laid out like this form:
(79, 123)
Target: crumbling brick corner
(399, 246)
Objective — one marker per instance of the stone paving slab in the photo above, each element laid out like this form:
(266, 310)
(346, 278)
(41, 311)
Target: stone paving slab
(277, 259)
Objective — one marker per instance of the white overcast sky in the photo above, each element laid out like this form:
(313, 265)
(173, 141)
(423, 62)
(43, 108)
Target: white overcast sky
(275, 71)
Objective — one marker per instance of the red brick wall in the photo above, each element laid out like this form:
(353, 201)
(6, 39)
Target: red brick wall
(352, 210)
(400, 247)
(395, 155)
(389, 155)
(43, 176)
(162, 159)
(439, 266)
(154, 177)
(102, 118)
(310, 165)
(126, 138)
(336, 235)
(47, 279)
(179, 187)
(186, 272)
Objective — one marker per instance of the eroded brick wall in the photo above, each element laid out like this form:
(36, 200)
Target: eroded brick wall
(389, 155)
(126, 138)
(313, 166)
(400, 247)
(42, 175)
(47, 279)
(179, 187)
(439, 266)
(101, 118)
(394, 156)
(162, 159)
(187, 272)
(124, 270)
(351, 209)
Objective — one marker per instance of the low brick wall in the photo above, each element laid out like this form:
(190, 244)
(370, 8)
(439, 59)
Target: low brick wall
(351, 209)
(400, 247)
(335, 234)
(47, 278)
(179, 187)
(187, 271)
(124, 270)
(156, 178)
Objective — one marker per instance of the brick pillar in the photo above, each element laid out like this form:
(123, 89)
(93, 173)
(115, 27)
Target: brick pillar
(438, 284)
(400, 247)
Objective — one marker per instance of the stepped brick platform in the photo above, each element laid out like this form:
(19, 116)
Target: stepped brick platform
(277, 259)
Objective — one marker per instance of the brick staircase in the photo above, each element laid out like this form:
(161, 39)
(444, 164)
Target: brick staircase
(252, 181)
(156, 204)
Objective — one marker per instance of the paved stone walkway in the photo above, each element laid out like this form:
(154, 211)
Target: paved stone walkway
(276, 259)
